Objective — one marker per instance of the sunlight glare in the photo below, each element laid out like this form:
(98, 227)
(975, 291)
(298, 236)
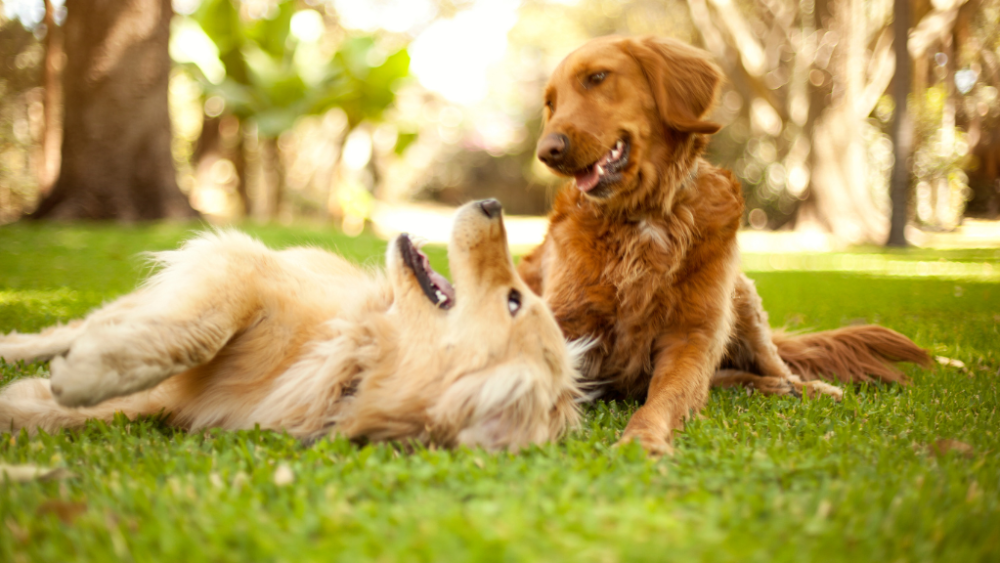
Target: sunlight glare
(397, 16)
(190, 44)
(357, 149)
(453, 57)
(307, 26)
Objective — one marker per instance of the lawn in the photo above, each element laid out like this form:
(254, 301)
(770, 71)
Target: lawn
(890, 474)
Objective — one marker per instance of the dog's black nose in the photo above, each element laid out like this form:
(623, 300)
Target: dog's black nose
(491, 208)
(552, 148)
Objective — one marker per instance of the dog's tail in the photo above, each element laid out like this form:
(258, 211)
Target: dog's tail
(850, 354)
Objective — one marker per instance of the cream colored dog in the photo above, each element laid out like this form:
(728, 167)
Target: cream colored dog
(230, 334)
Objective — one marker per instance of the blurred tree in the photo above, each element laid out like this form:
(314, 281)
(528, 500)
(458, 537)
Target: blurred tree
(902, 129)
(47, 160)
(813, 71)
(978, 35)
(272, 77)
(955, 47)
(20, 76)
(116, 159)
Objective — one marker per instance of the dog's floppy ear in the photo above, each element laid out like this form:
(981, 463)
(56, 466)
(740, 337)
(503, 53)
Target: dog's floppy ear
(682, 79)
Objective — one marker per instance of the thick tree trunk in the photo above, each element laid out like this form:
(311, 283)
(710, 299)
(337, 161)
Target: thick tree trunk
(823, 119)
(116, 159)
(902, 130)
(840, 199)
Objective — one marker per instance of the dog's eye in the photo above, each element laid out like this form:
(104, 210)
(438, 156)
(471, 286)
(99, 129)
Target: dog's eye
(596, 78)
(550, 104)
(514, 302)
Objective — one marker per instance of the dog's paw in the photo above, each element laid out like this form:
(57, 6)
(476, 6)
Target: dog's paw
(655, 445)
(79, 383)
(95, 371)
(816, 389)
(92, 372)
(775, 385)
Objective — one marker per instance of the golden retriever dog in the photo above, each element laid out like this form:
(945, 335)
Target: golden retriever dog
(641, 253)
(230, 334)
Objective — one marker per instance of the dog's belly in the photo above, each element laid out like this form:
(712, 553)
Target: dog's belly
(295, 303)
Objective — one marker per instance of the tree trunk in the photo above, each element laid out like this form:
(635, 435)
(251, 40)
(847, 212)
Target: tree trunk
(116, 159)
(840, 200)
(270, 190)
(902, 129)
(824, 139)
(240, 163)
(48, 147)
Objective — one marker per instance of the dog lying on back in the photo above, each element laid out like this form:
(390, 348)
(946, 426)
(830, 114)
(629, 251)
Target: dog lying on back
(230, 334)
(641, 251)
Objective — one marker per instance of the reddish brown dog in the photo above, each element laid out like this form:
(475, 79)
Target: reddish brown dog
(641, 252)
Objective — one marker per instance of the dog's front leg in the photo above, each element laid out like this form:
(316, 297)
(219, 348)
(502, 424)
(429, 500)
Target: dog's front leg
(682, 372)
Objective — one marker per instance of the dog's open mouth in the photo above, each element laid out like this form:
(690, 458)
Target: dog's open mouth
(606, 170)
(436, 287)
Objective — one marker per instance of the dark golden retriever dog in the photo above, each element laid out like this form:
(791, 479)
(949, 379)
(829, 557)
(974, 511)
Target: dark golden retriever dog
(641, 251)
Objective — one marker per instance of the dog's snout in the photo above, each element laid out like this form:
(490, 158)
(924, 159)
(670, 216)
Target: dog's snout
(491, 208)
(552, 148)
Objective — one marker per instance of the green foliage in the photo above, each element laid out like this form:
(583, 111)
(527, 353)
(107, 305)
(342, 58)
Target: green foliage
(371, 87)
(753, 479)
(274, 78)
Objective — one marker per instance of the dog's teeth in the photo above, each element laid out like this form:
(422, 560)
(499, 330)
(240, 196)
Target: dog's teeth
(619, 145)
(441, 296)
(600, 170)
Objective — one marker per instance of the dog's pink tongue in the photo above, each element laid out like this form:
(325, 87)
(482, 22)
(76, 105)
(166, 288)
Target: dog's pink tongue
(586, 181)
(442, 283)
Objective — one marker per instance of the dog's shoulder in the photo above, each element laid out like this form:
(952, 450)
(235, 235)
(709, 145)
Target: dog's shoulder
(718, 201)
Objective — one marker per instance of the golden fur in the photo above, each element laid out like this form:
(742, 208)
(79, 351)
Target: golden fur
(641, 251)
(230, 334)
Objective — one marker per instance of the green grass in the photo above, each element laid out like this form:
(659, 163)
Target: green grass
(753, 479)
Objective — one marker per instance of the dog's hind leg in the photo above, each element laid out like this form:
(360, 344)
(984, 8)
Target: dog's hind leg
(28, 404)
(180, 319)
(50, 342)
(775, 385)
(753, 348)
(766, 384)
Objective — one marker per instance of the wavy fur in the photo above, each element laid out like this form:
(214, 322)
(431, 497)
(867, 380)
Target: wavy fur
(641, 252)
(230, 334)
(851, 354)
